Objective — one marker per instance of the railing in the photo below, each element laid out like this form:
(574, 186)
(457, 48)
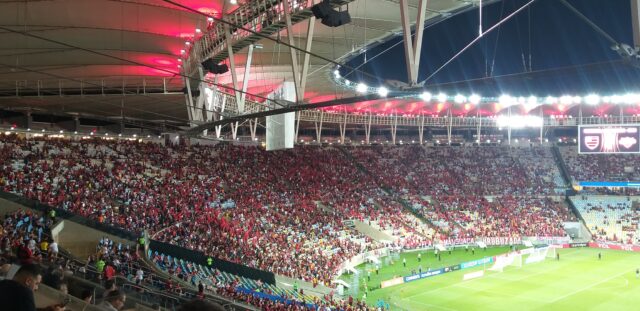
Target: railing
(256, 15)
(315, 115)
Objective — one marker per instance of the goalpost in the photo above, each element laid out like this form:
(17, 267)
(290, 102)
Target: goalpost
(511, 259)
(540, 254)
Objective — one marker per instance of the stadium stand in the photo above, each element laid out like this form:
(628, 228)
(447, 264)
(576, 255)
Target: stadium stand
(598, 167)
(610, 218)
(284, 211)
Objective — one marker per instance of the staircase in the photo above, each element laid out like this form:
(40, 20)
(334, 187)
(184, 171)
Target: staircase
(390, 192)
(564, 171)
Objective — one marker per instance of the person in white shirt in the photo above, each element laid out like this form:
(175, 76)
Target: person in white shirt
(53, 249)
(139, 276)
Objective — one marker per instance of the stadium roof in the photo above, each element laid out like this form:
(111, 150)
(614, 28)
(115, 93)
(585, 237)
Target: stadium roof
(82, 56)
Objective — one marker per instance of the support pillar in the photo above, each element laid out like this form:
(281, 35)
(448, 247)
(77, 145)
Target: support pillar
(478, 127)
(635, 21)
(299, 76)
(394, 128)
(542, 125)
(421, 130)
(253, 126)
(509, 127)
(449, 126)
(343, 128)
(318, 126)
(367, 131)
(297, 126)
(412, 49)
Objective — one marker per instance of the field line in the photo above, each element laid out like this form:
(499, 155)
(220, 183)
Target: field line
(590, 286)
(492, 275)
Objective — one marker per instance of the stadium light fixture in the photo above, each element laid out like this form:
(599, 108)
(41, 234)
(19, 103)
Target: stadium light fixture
(566, 100)
(550, 100)
(210, 19)
(425, 96)
(532, 100)
(592, 99)
(518, 122)
(505, 100)
(617, 99)
(631, 98)
(576, 99)
(336, 73)
(361, 88)
(383, 91)
(475, 99)
(442, 97)
(459, 99)
(198, 30)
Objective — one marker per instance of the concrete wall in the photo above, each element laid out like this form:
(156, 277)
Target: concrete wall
(371, 231)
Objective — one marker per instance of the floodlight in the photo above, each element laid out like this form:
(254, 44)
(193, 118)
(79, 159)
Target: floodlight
(425, 96)
(592, 99)
(474, 99)
(361, 88)
(383, 91)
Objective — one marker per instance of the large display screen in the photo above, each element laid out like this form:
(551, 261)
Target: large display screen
(609, 139)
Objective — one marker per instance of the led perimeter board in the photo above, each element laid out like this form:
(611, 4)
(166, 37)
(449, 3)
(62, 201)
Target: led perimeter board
(609, 138)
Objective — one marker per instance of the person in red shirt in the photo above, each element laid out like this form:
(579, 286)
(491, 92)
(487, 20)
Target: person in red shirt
(109, 272)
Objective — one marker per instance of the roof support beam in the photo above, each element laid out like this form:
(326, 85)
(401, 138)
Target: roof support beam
(299, 74)
(413, 49)
(635, 21)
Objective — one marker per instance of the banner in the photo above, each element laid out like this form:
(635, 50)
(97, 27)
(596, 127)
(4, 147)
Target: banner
(473, 263)
(620, 247)
(473, 275)
(424, 275)
(392, 282)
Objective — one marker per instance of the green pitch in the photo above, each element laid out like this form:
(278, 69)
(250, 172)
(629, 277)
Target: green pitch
(579, 281)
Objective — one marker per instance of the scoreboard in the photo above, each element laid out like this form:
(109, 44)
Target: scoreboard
(609, 138)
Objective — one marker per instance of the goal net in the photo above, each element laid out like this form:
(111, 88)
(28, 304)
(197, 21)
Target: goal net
(539, 254)
(511, 259)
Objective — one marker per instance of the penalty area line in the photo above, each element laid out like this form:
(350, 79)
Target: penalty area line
(590, 286)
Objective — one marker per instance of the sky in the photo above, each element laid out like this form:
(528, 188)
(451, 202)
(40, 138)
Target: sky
(546, 49)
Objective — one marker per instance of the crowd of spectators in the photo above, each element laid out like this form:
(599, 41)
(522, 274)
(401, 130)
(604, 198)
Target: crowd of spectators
(281, 211)
(460, 217)
(241, 204)
(610, 218)
(600, 167)
(463, 170)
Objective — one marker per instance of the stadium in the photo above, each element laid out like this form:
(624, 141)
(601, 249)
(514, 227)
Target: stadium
(319, 155)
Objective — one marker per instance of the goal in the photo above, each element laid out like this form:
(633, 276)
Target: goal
(540, 254)
(509, 259)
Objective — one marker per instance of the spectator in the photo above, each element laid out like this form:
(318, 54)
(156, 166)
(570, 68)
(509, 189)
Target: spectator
(17, 294)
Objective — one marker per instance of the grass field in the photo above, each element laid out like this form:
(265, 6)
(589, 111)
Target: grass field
(579, 281)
